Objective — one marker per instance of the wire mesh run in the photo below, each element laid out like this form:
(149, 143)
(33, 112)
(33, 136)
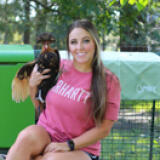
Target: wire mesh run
(136, 135)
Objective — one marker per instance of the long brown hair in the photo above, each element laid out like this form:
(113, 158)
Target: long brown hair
(98, 84)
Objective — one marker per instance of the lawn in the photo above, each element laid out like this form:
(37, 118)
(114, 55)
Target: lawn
(130, 138)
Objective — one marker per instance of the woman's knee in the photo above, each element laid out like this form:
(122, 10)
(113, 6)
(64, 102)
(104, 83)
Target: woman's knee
(33, 135)
(27, 135)
(30, 142)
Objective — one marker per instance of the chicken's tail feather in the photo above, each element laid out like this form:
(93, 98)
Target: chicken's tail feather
(20, 89)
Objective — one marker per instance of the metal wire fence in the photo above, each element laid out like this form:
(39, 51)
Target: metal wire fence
(136, 135)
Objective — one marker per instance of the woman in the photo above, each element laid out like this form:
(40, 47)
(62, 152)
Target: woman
(80, 110)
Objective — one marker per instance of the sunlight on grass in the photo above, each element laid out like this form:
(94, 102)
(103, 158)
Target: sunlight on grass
(130, 138)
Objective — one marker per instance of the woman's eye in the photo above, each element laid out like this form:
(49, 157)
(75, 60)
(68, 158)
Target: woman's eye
(86, 41)
(73, 42)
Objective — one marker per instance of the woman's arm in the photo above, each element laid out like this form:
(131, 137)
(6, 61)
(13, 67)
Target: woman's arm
(33, 91)
(93, 135)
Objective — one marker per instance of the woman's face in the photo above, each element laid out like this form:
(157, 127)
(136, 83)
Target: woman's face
(82, 48)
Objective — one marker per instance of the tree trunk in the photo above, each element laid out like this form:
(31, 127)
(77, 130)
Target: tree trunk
(26, 38)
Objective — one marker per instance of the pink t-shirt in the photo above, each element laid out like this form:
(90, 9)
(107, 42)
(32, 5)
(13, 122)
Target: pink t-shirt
(67, 114)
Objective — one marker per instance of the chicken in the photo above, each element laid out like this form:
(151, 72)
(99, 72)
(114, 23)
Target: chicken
(49, 58)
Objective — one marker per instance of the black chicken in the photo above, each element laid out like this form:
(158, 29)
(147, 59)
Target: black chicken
(48, 58)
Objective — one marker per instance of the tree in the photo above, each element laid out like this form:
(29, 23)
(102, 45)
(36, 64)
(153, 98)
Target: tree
(133, 25)
(125, 19)
(26, 38)
(153, 20)
(8, 25)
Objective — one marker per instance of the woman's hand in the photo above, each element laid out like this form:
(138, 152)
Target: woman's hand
(57, 147)
(36, 77)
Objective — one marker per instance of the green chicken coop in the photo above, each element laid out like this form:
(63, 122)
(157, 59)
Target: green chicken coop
(13, 116)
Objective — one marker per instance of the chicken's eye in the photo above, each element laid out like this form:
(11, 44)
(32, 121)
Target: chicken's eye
(41, 66)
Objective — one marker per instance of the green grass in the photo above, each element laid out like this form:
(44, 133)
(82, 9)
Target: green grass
(132, 146)
(139, 105)
(130, 139)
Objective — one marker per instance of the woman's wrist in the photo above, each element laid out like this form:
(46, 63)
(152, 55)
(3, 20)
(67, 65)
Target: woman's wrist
(32, 86)
(71, 144)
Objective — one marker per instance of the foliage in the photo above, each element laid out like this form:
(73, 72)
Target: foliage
(9, 24)
(154, 20)
(140, 4)
(111, 17)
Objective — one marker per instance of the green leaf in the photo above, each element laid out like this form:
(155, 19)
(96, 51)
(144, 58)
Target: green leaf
(144, 2)
(139, 6)
(123, 2)
(132, 2)
(112, 2)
